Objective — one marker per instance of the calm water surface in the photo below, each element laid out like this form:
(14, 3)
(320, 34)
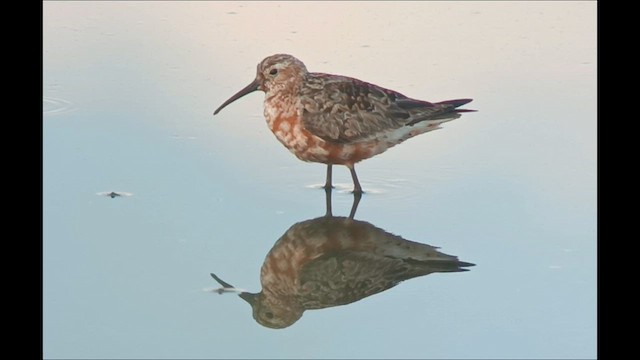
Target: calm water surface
(128, 94)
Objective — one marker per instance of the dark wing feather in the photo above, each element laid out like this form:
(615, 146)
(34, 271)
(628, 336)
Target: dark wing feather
(342, 109)
(348, 276)
(343, 277)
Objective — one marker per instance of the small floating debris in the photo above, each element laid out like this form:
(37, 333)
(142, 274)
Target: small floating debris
(222, 290)
(226, 287)
(113, 194)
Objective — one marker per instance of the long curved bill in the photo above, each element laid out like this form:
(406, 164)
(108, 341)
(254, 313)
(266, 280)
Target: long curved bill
(247, 90)
(246, 296)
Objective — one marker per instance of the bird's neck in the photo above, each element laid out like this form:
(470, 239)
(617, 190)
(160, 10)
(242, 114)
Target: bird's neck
(281, 102)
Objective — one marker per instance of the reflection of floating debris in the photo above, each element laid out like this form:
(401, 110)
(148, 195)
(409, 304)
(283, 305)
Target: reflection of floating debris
(113, 194)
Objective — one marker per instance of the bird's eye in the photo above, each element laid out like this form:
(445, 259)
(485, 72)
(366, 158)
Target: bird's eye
(269, 315)
(273, 71)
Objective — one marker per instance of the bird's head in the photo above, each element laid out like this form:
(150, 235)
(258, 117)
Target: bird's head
(274, 73)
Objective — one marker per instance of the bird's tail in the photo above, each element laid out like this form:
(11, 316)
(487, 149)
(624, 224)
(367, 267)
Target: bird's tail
(421, 255)
(441, 265)
(444, 111)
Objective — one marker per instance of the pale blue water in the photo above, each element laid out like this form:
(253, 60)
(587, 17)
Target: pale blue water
(129, 90)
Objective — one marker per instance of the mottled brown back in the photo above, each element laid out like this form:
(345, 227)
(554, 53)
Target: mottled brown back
(342, 109)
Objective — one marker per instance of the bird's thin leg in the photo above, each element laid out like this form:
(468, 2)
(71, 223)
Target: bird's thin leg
(357, 189)
(327, 191)
(356, 201)
(327, 183)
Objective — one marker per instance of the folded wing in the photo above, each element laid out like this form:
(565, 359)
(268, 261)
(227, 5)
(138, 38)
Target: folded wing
(343, 110)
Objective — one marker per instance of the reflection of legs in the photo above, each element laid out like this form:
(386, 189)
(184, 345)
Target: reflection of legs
(327, 192)
(327, 183)
(357, 189)
(356, 200)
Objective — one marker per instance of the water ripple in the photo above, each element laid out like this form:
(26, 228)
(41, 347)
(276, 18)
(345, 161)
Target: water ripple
(55, 106)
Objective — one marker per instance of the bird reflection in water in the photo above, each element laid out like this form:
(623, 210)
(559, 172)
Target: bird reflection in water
(331, 261)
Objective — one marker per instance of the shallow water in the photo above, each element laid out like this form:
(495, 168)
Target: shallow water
(128, 95)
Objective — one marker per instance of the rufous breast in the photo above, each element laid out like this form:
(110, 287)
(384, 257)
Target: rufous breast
(285, 123)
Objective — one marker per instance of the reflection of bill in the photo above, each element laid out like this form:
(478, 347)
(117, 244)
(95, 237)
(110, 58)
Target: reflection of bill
(331, 261)
(226, 288)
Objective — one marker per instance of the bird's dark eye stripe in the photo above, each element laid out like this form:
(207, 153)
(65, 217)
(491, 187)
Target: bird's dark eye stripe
(273, 71)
